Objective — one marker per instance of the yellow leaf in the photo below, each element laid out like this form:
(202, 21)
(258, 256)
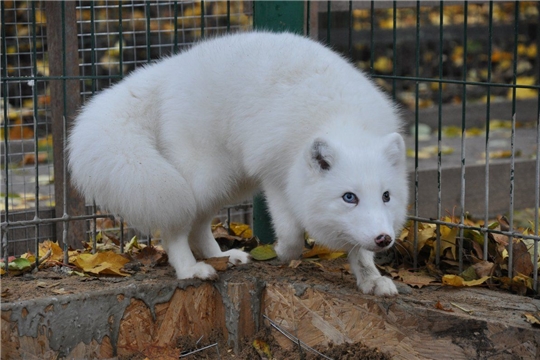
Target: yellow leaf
(103, 263)
(262, 348)
(322, 252)
(448, 240)
(533, 318)
(56, 252)
(242, 230)
(523, 93)
(458, 281)
(133, 243)
(29, 256)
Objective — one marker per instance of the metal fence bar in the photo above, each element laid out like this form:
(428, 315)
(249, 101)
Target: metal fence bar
(416, 127)
(439, 136)
(463, 128)
(35, 120)
(537, 197)
(488, 119)
(512, 144)
(4, 249)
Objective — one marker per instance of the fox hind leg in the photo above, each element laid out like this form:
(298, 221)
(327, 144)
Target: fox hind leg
(203, 244)
(183, 260)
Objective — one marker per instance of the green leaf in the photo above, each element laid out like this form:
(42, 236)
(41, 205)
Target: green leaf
(263, 252)
(20, 264)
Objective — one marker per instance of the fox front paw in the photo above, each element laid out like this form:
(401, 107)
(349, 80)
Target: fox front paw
(237, 256)
(379, 286)
(200, 270)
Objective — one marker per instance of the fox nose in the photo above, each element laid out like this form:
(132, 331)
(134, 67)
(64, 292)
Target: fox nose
(383, 240)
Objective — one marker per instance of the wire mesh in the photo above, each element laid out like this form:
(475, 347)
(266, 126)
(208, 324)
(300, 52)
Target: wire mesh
(114, 37)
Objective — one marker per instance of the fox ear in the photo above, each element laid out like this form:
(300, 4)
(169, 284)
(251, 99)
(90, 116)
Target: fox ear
(395, 149)
(321, 155)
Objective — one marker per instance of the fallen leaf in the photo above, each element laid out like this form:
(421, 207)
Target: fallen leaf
(417, 280)
(103, 263)
(56, 252)
(262, 348)
(483, 268)
(440, 306)
(522, 259)
(218, 263)
(263, 252)
(458, 281)
(61, 291)
(533, 318)
(322, 252)
(132, 244)
(469, 274)
(151, 256)
(448, 240)
(295, 263)
(20, 264)
(241, 230)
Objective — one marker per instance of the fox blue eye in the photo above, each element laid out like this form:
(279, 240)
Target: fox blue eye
(350, 198)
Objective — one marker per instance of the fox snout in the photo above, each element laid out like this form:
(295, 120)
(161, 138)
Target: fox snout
(383, 240)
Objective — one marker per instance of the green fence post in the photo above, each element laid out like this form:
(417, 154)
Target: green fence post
(274, 16)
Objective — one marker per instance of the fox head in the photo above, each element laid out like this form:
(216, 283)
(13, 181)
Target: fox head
(351, 192)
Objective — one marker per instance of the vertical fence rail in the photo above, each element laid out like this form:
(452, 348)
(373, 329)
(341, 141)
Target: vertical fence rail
(439, 135)
(416, 129)
(463, 128)
(512, 143)
(4, 250)
(35, 120)
(488, 119)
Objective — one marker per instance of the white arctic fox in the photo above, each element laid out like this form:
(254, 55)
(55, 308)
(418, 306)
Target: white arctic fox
(175, 141)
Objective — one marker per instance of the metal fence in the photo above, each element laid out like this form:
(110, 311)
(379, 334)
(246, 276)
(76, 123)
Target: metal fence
(466, 76)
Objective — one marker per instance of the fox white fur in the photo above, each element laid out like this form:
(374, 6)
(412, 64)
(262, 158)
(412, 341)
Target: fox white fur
(175, 141)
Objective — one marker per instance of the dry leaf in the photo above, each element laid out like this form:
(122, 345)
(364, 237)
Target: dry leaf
(483, 268)
(60, 291)
(417, 280)
(448, 240)
(5, 292)
(151, 256)
(218, 263)
(440, 306)
(103, 263)
(533, 318)
(522, 259)
(56, 251)
(241, 230)
(458, 281)
(262, 348)
(322, 252)
(295, 263)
